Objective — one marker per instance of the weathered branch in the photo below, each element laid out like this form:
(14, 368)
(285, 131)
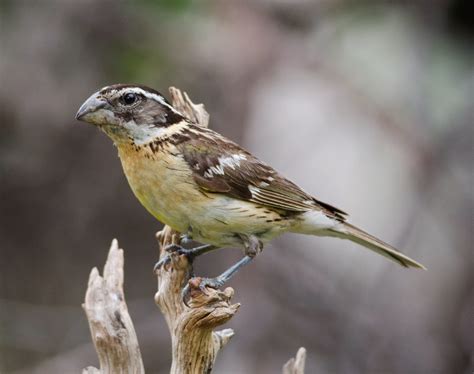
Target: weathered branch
(111, 327)
(296, 364)
(194, 343)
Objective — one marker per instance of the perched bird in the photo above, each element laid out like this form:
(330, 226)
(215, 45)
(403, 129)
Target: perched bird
(208, 187)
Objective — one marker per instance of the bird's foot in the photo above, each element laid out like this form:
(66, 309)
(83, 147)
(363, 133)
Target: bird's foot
(190, 253)
(173, 249)
(198, 283)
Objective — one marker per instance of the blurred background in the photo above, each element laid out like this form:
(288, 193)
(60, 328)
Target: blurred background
(368, 105)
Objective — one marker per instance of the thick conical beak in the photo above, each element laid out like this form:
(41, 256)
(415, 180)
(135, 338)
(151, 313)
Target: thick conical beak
(92, 104)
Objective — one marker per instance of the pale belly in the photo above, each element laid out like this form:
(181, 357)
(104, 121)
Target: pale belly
(166, 189)
(223, 220)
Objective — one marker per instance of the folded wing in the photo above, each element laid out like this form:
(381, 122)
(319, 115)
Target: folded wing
(221, 166)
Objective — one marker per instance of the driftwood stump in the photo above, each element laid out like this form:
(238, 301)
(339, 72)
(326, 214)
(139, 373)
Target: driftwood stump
(195, 344)
(296, 365)
(111, 327)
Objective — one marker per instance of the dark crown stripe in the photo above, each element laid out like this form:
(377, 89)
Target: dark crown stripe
(124, 86)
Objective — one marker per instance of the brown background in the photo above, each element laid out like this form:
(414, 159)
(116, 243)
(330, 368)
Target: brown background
(365, 104)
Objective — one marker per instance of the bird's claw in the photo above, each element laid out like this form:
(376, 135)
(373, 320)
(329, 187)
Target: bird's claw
(171, 249)
(201, 284)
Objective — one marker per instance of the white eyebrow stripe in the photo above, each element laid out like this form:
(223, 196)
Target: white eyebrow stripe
(141, 91)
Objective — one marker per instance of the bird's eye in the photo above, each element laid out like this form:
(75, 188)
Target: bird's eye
(129, 98)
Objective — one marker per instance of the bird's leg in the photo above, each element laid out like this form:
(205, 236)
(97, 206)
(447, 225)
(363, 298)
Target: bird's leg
(190, 253)
(252, 247)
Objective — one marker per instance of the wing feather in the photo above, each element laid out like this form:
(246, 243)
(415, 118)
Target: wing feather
(221, 166)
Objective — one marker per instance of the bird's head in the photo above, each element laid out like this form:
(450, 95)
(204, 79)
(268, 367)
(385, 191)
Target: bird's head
(129, 112)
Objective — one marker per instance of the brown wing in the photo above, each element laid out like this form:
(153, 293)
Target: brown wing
(221, 166)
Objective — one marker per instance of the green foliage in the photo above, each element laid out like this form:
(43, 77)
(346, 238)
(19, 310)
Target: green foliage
(136, 64)
(171, 5)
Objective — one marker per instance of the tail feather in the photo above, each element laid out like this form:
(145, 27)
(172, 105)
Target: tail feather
(348, 231)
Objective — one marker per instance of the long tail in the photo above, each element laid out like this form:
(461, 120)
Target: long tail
(348, 231)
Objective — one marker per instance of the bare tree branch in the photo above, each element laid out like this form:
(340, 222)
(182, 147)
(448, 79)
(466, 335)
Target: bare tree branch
(296, 364)
(194, 344)
(111, 327)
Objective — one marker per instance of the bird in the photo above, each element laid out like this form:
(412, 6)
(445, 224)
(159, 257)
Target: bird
(206, 186)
